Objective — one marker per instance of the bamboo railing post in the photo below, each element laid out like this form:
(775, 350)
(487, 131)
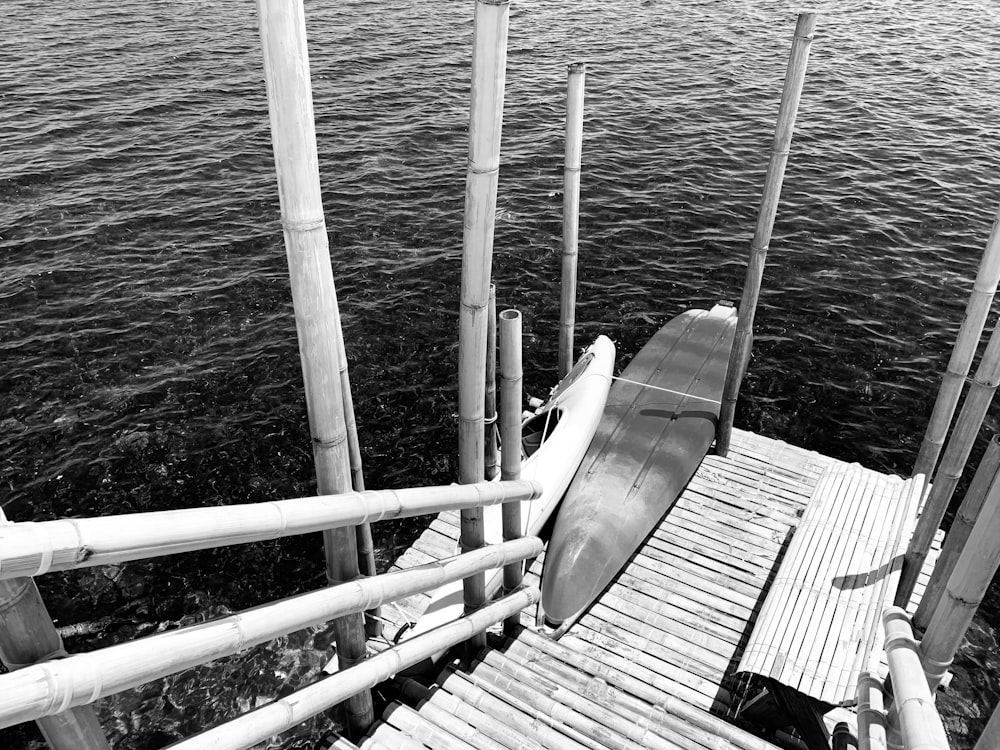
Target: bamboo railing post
(363, 531)
(790, 95)
(990, 738)
(966, 343)
(959, 532)
(28, 636)
(974, 570)
(913, 712)
(871, 713)
(956, 454)
(511, 397)
(489, 58)
(577, 74)
(842, 739)
(491, 455)
(293, 135)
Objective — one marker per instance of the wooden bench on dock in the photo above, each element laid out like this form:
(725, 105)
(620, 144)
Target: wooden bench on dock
(819, 626)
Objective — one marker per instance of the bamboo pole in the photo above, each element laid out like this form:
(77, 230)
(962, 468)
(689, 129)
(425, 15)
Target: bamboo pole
(956, 454)
(489, 57)
(842, 739)
(50, 687)
(283, 714)
(293, 135)
(363, 531)
(27, 637)
(990, 738)
(790, 95)
(491, 468)
(913, 703)
(983, 290)
(511, 396)
(35, 548)
(974, 570)
(959, 532)
(871, 713)
(577, 73)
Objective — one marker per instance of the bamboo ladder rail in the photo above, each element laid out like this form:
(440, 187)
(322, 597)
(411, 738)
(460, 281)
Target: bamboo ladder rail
(48, 688)
(489, 58)
(36, 548)
(283, 714)
(977, 309)
(956, 455)
(576, 78)
(794, 77)
(958, 534)
(314, 298)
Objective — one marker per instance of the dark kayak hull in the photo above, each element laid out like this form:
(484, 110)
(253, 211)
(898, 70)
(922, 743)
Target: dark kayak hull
(654, 434)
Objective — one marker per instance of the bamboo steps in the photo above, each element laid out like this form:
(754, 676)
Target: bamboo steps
(658, 652)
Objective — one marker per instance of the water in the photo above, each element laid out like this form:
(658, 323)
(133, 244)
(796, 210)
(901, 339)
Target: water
(148, 347)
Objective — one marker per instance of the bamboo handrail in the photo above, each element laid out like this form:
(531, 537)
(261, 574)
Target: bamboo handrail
(489, 58)
(919, 724)
(35, 548)
(511, 396)
(963, 437)
(576, 77)
(977, 309)
(795, 75)
(958, 534)
(283, 714)
(52, 687)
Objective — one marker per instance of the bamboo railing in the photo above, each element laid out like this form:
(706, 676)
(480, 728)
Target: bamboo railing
(794, 77)
(576, 77)
(510, 434)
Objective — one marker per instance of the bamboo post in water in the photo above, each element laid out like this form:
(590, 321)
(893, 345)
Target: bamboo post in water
(871, 713)
(913, 715)
(28, 636)
(966, 343)
(363, 531)
(956, 454)
(511, 380)
(959, 532)
(489, 58)
(974, 569)
(293, 135)
(571, 212)
(790, 95)
(491, 455)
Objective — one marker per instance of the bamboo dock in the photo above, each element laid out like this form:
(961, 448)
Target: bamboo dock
(660, 652)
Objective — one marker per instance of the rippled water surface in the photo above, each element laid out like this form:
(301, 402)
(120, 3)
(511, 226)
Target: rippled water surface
(147, 343)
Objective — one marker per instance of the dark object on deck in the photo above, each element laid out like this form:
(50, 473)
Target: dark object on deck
(657, 427)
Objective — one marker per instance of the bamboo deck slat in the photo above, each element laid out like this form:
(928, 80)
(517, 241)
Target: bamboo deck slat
(659, 650)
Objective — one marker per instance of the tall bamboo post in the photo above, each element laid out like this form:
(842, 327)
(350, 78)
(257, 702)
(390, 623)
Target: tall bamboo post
(28, 636)
(959, 532)
(790, 95)
(489, 60)
(956, 454)
(491, 455)
(364, 540)
(871, 713)
(511, 382)
(913, 715)
(576, 78)
(966, 343)
(990, 738)
(975, 568)
(293, 135)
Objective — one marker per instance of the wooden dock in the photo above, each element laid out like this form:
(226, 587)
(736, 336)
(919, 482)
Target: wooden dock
(655, 662)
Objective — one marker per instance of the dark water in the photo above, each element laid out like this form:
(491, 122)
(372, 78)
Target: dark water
(148, 346)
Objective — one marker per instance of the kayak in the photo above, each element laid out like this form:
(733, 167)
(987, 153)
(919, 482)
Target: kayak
(554, 441)
(658, 424)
